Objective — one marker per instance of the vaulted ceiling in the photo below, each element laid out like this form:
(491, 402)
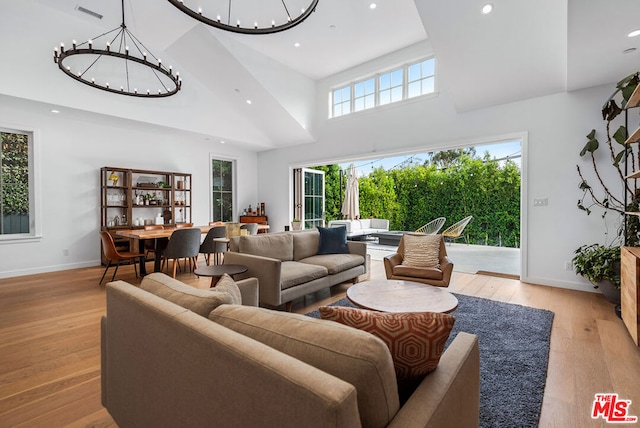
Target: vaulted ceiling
(521, 50)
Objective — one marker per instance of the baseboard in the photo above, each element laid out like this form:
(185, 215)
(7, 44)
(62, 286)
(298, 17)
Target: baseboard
(45, 269)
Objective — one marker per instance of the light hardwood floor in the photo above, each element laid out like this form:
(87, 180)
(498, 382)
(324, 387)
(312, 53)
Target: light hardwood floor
(50, 346)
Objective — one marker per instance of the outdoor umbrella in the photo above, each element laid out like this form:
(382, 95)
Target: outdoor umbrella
(351, 204)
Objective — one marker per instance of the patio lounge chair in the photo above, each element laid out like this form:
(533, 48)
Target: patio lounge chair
(454, 231)
(433, 227)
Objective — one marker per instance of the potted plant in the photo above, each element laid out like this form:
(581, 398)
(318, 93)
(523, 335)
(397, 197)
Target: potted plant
(296, 224)
(600, 265)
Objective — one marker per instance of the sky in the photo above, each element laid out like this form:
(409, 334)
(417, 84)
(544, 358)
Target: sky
(496, 151)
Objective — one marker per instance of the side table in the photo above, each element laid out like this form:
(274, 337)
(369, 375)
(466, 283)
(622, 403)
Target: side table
(216, 271)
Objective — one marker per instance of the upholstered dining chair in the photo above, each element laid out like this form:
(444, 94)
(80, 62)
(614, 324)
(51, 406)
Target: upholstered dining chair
(456, 230)
(112, 254)
(210, 246)
(183, 244)
(420, 258)
(251, 227)
(433, 227)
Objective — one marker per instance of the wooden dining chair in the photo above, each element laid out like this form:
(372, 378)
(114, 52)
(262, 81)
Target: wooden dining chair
(112, 254)
(183, 225)
(184, 243)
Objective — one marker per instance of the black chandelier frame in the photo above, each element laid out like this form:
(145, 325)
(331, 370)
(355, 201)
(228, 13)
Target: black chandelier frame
(255, 29)
(121, 38)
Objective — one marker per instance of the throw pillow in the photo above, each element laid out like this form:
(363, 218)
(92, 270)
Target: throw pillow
(354, 356)
(197, 300)
(416, 339)
(333, 240)
(421, 250)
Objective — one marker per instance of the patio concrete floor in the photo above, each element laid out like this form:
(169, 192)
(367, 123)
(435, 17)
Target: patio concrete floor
(466, 258)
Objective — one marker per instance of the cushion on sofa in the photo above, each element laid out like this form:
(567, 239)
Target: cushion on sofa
(415, 339)
(196, 300)
(276, 246)
(421, 251)
(354, 356)
(333, 240)
(305, 244)
(417, 272)
(335, 263)
(294, 273)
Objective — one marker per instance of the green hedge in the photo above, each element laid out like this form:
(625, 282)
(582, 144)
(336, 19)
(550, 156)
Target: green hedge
(413, 196)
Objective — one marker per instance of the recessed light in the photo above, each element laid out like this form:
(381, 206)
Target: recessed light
(332, 27)
(54, 111)
(221, 142)
(296, 44)
(487, 8)
(373, 6)
(634, 33)
(248, 101)
(628, 51)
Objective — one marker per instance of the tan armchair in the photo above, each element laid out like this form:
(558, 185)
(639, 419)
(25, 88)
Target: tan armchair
(427, 275)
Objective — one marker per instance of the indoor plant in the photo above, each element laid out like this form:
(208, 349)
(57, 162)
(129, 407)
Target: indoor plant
(600, 265)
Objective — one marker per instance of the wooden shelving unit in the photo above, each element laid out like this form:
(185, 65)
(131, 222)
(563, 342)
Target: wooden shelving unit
(630, 256)
(131, 198)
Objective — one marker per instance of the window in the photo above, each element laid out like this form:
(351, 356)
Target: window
(222, 190)
(364, 94)
(391, 87)
(308, 200)
(341, 101)
(409, 81)
(16, 183)
(421, 78)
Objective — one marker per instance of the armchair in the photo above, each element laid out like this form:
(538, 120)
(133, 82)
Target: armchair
(438, 276)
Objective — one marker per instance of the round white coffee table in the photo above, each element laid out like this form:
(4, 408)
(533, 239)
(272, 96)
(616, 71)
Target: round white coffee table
(401, 296)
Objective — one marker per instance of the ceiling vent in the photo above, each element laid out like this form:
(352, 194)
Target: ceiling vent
(88, 12)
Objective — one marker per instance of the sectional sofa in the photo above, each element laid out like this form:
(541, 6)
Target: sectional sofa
(363, 227)
(195, 358)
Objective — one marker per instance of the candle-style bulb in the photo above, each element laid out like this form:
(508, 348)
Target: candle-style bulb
(90, 44)
(74, 44)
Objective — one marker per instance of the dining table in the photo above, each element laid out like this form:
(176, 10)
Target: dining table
(142, 235)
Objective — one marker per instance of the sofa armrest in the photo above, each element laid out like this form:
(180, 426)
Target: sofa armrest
(249, 290)
(265, 269)
(389, 262)
(338, 223)
(450, 395)
(356, 247)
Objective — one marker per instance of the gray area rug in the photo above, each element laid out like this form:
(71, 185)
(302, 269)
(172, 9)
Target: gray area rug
(514, 354)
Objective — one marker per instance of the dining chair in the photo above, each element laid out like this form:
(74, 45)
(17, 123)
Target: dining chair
(209, 245)
(183, 225)
(251, 227)
(112, 254)
(184, 243)
(215, 223)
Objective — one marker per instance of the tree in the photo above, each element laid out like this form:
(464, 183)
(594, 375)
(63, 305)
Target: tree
(447, 158)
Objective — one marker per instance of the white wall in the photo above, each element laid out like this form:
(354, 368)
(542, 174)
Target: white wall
(73, 146)
(555, 127)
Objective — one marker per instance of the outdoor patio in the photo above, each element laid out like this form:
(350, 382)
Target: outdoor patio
(466, 258)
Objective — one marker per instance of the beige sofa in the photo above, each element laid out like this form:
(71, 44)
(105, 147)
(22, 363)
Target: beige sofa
(166, 366)
(288, 267)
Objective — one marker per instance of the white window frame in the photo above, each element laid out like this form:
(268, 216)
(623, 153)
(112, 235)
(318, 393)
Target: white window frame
(234, 202)
(35, 217)
(377, 103)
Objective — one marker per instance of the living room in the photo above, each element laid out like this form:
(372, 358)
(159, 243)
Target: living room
(546, 102)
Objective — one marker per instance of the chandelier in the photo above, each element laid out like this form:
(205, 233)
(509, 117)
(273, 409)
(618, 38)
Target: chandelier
(117, 62)
(248, 17)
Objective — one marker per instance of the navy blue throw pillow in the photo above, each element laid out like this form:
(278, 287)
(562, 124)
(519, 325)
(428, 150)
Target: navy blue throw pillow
(333, 240)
